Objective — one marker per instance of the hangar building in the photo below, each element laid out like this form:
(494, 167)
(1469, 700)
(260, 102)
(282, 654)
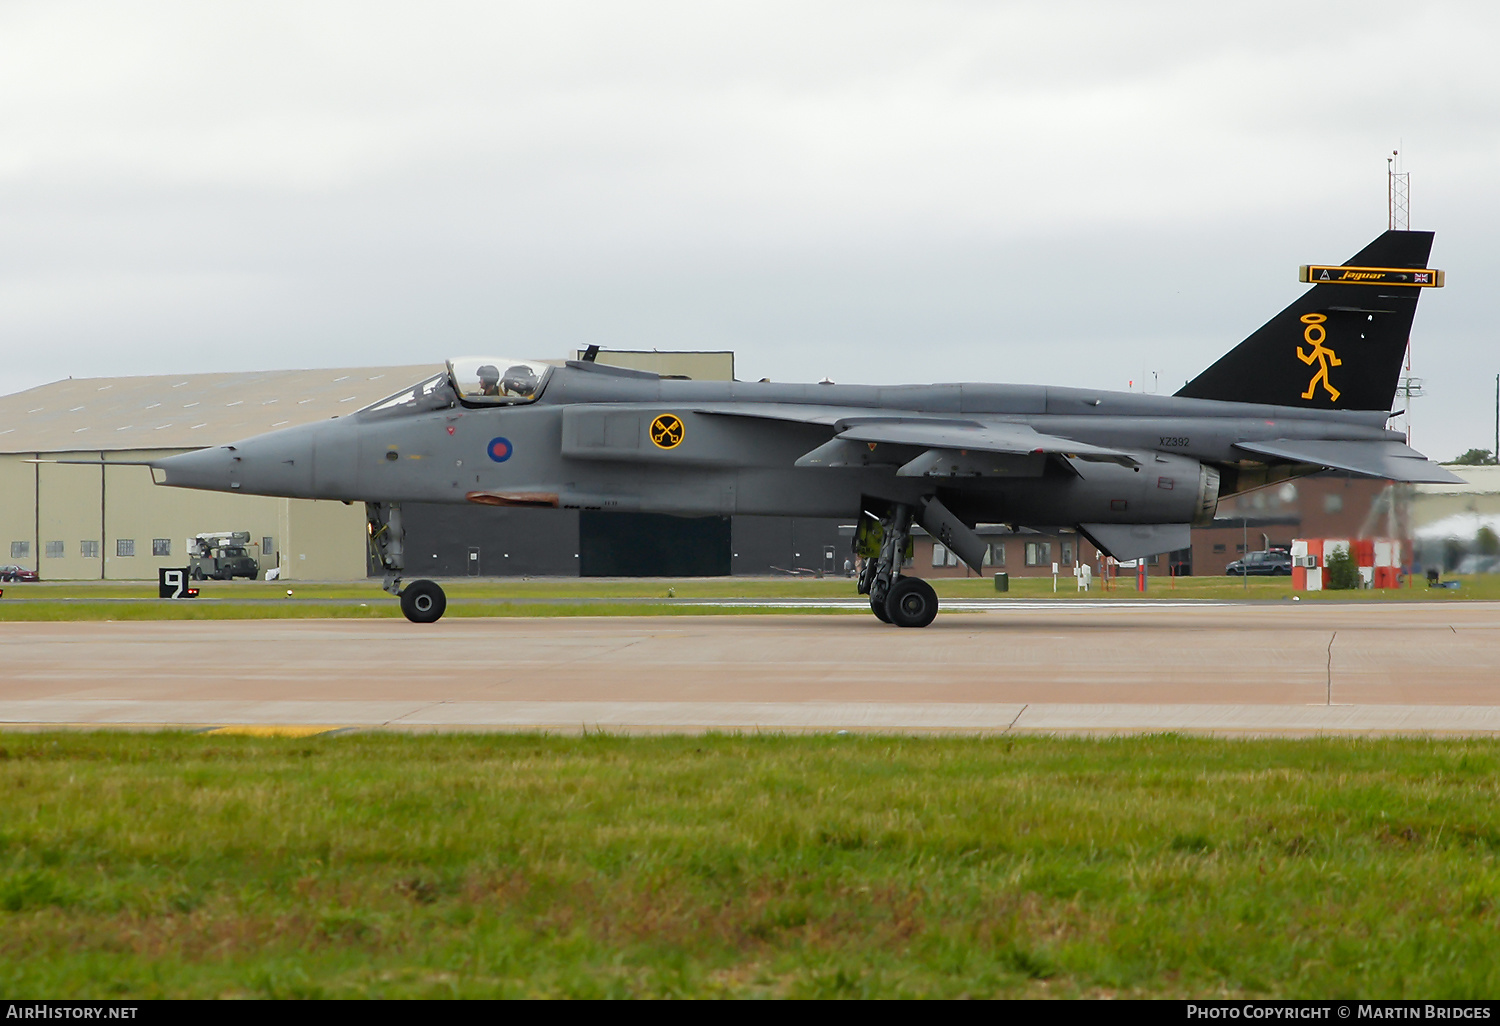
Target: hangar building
(113, 523)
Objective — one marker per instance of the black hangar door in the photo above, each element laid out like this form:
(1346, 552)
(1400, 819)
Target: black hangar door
(652, 545)
(488, 541)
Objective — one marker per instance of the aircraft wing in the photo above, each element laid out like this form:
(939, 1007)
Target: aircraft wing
(1385, 459)
(963, 435)
(928, 430)
(798, 413)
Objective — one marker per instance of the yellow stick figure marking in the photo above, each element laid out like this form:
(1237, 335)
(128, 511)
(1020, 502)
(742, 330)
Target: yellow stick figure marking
(1315, 335)
(666, 431)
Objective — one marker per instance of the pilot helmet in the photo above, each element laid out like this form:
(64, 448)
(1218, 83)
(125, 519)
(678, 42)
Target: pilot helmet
(489, 380)
(520, 380)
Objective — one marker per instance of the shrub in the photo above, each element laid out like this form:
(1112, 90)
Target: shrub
(1342, 573)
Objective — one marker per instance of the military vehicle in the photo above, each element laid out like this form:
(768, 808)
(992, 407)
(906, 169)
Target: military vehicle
(221, 555)
(1311, 389)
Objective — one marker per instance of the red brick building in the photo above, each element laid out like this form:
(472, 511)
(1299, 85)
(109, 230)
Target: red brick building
(1327, 505)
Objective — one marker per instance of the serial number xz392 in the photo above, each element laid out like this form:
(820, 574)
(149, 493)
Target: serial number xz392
(1178, 442)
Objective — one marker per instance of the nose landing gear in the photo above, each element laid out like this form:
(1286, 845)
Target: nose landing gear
(421, 601)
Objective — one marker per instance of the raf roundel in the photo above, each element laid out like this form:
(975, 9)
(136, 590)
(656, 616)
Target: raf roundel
(500, 449)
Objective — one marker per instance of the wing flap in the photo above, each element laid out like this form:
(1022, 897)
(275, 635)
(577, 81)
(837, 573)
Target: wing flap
(1371, 458)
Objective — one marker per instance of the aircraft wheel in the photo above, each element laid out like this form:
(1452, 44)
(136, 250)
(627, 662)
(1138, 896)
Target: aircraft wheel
(423, 602)
(911, 603)
(878, 608)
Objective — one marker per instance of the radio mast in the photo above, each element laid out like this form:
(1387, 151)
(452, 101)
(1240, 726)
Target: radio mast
(1398, 202)
(1398, 214)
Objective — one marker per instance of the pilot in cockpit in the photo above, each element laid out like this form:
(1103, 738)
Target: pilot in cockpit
(489, 380)
(519, 380)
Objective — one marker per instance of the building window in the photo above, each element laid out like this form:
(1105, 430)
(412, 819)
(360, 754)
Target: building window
(1152, 560)
(939, 553)
(124, 546)
(267, 546)
(997, 553)
(1038, 553)
(1218, 546)
(1067, 553)
(20, 550)
(1333, 503)
(88, 549)
(1240, 547)
(55, 550)
(161, 546)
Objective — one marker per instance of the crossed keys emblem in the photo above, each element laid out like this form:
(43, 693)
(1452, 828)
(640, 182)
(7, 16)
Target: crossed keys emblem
(666, 431)
(1315, 335)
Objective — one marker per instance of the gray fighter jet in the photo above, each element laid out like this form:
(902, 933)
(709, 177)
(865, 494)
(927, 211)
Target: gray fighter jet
(1311, 389)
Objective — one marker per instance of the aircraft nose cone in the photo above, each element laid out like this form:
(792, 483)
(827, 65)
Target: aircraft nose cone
(277, 463)
(205, 468)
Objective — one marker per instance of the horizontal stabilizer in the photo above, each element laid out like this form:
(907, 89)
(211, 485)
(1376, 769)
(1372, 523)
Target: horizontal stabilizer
(1016, 439)
(1132, 541)
(1383, 459)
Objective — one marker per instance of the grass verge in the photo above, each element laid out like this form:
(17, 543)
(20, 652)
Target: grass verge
(638, 597)
(167, 865)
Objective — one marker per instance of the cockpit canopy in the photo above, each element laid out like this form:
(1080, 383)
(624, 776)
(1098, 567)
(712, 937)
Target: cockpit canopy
(428, 394)
(497, 380)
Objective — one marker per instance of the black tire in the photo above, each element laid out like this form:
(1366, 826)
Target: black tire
(197, 574)
(423, 602)
(878, 608)
(911, 603)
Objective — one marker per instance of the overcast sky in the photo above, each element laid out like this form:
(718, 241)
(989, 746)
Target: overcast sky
(1085, 194)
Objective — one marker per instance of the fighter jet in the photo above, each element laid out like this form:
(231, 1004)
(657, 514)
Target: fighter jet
(1311, 389)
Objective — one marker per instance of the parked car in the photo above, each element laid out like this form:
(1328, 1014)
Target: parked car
(1274, 563)
(17, 573)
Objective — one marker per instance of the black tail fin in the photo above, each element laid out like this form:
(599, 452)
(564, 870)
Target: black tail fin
(1338, 347)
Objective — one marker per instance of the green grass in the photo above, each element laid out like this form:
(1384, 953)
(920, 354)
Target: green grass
(88, 600)
(172, 865)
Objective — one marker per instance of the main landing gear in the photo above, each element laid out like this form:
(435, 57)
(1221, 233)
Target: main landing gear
(421, 601)
(884, 545)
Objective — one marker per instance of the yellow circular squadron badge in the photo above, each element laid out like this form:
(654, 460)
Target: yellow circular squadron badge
(666, 431)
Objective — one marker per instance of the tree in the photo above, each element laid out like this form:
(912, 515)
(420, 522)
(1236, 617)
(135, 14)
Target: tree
(1476, 458)
(1342, 573)
(1487, 542)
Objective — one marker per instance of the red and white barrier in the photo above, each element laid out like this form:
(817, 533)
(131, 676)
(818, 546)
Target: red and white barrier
(1378, 561)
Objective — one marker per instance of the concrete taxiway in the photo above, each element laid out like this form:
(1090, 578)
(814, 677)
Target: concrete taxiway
(1063, 667)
